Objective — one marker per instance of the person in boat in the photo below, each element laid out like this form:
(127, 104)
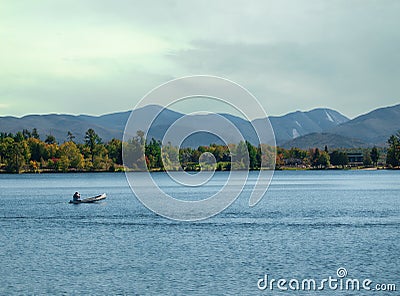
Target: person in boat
(76, 197)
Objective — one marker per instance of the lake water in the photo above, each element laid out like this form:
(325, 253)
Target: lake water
(309, 224)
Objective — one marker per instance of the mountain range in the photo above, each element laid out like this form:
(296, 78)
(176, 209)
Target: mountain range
(315, 128)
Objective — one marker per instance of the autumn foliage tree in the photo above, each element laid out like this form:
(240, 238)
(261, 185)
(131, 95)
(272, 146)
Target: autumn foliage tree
(24, 151)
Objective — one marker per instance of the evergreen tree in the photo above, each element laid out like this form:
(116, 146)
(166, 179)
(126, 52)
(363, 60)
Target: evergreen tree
(26, 134)
(37, 149)
(253, 163)
(50, 139)
(315, 157)
(393, 153)
(92, 140)
(114, 148)
(374, 156)
(35, 133)
(338, 158)
(240, 157)
(323, 160)
(367, 160)
(153, 154)
(19, 137)
(17, 155)
(134, 152)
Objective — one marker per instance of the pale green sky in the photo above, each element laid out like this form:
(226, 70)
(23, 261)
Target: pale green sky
(99, 56)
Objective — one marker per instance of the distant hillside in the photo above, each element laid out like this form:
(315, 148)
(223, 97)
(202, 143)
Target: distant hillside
(313, 128)
(374, 127)
(108, 126)
(112, 125)
(371, 129)
(298, 123)
(319, 140)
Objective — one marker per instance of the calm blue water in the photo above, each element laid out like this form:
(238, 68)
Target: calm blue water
(308, 225)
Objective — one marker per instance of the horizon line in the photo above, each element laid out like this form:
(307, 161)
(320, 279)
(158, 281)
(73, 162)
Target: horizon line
(172, 109)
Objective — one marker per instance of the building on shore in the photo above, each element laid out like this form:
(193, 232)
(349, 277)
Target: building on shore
(355, 158)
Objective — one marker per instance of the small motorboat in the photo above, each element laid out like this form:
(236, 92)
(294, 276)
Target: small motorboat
(89, 199)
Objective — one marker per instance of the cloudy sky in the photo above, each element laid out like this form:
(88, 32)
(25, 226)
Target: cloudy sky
(97, 57)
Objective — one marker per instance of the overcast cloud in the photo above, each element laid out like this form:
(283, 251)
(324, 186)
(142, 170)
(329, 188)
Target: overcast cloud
(98, 57)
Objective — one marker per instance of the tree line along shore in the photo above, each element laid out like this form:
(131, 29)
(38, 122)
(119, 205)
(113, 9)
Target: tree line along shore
(26, 152)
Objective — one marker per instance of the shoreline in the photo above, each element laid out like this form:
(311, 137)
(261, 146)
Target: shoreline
(2, 172)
